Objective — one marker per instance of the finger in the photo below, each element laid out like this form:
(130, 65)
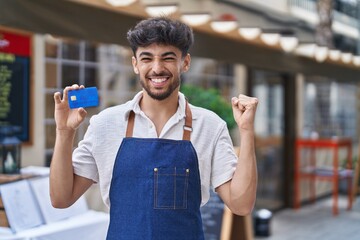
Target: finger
(240, 104)
(251, 103)
(57, 98)
(248, 102)
(82, 86)
(234, 101)
(236, 104)
(65, 94)
(241, 107)
(82, 113)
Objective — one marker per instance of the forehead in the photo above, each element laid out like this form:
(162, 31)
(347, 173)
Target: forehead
(158, 49)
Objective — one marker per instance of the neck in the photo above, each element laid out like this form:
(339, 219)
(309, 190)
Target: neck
(159, 112)
(168, 105)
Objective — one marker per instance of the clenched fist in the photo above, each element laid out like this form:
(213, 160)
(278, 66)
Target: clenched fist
(244, 108)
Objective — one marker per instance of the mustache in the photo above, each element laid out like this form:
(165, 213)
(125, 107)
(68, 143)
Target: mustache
(161, 74)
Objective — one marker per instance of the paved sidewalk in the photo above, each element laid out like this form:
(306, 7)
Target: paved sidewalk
(316, 222)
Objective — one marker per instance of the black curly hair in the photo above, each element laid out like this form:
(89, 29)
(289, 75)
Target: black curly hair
(161, 30)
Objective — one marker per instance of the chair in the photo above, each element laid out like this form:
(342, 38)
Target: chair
(356, 187)
(309, 168)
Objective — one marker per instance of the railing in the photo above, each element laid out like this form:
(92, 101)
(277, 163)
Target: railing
(309, 5)
(349, 8)
(344, 11)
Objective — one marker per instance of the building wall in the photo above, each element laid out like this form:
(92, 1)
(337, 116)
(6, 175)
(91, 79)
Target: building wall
(276, 5)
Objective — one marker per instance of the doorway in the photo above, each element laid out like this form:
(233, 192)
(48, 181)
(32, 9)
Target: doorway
(274, 131)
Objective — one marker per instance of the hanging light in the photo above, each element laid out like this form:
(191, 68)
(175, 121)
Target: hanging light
(157, 10)
(249, 33)
(288, 40)
(321, 53)
(226, 23)
(120, 3)
(270, 38)
(195, 19)
(306, 49)
(346, 57)
(334, 54)
(223, 26)
(356, 61)
(288, 43)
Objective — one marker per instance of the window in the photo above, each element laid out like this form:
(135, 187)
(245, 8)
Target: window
(330, 108)
(209, 73)
(105, 66)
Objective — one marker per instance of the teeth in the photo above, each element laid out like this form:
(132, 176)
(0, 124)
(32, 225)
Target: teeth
(158, 80)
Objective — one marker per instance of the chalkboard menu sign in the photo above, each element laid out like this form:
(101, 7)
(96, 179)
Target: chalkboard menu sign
(15, 57)
(212, 217)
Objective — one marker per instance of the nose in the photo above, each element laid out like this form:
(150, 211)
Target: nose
(158, 66)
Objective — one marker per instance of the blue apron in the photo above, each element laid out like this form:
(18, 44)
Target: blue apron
(155, 191)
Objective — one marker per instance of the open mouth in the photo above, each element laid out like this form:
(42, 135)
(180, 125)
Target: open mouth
(158, 81)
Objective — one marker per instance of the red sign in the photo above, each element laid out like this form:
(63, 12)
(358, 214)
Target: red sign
(15, 43)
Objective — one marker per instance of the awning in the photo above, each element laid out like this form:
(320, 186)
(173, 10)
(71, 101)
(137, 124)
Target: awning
(94, 20)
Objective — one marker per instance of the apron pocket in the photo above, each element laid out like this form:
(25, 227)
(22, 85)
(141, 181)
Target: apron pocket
(170, 188)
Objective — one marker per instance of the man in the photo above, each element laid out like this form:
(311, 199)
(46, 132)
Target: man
(156, 156)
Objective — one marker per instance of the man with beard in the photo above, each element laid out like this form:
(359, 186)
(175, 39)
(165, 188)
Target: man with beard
(155, 157)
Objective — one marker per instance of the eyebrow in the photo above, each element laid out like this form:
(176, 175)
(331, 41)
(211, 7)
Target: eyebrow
(162, 55)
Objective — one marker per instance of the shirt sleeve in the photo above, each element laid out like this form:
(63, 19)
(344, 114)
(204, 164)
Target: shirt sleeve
(83, 160)
(224, 159)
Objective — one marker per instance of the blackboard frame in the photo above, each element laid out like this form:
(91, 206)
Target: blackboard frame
(26, 132)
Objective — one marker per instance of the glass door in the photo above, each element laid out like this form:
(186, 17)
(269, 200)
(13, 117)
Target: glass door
(268, 87)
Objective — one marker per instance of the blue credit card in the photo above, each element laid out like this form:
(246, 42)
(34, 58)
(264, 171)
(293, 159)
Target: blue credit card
(84, 97)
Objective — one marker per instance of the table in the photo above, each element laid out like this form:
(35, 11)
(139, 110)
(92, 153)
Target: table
(91, 225)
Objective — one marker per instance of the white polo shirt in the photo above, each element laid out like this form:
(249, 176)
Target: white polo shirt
(95, 156)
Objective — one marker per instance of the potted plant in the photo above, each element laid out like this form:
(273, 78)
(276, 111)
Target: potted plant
(210, 99)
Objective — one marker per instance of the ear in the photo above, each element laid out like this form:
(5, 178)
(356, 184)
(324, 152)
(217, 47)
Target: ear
(186, 63)
(134, 63)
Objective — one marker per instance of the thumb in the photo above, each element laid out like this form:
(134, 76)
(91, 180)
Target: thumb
(82, 114)
(235, 107)
(234, 102)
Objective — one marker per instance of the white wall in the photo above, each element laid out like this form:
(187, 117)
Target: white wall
(34, 154)
(276, 5)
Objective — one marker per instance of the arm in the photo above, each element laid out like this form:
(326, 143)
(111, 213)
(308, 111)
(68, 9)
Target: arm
(65, 186)
(239, 194)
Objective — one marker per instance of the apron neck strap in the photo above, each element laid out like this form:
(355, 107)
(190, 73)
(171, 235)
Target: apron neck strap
(130, 125)
(188, 122)
(187, 126)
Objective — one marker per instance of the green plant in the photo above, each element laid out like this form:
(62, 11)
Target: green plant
(210, 99)
(344, 162)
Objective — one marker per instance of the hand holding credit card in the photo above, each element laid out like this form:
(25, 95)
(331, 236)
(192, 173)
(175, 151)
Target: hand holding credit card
(83, 97)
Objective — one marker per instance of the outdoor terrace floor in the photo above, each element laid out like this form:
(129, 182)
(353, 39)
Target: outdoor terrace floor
(316, 222)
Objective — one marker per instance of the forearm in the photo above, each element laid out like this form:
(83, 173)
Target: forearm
(61, 169)
(244, 182)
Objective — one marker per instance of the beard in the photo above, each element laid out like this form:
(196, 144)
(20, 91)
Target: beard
(160, 95)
